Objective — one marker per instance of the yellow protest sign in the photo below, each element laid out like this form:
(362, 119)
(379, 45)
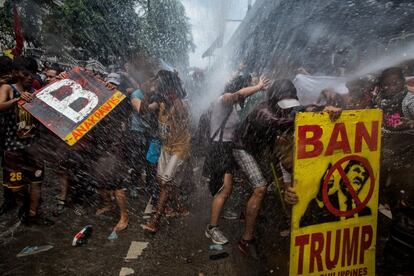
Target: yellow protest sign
(336, 171)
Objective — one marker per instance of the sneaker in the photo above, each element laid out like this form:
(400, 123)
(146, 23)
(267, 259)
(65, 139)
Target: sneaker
(248, 248)
(216, 235)
(229, 214)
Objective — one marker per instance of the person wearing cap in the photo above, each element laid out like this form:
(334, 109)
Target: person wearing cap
(114, 78)
(256, 141)
(253, 139)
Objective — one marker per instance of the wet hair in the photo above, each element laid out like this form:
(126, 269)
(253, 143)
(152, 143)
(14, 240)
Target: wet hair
(363, 82)
(279, 90)
(238, 83)
(6, 65)
(393, 71)
(31, 65)
(169, 81)
(55, 67)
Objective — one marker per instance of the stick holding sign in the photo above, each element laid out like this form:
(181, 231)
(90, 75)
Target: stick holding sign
(72, 106)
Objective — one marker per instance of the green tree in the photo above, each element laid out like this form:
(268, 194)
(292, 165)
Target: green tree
(106, 30)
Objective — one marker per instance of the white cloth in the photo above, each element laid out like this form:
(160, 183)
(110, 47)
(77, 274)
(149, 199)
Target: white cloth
(168, 166)
(309, 87)
(218, 114)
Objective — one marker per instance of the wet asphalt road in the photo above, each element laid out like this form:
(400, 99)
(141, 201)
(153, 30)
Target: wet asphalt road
(179, 248)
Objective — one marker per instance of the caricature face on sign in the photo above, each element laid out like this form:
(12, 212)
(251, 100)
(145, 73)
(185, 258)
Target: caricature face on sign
(72, 106)
(336, 172)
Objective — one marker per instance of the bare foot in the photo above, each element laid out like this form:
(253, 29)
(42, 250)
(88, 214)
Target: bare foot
(104, 210)
(150, 227)
(121, 225)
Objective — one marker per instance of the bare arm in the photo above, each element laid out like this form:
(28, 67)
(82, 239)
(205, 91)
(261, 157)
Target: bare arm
(232, 98)
(5, 101)
(136, 103)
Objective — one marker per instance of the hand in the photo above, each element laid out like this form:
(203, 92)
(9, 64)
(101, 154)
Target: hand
(334, 112)
(26, 96)
(63, 75)
(290, 196)
(110, 86)
(302, 71)
(263, 83)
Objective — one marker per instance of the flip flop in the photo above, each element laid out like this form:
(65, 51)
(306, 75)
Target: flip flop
(30, 250)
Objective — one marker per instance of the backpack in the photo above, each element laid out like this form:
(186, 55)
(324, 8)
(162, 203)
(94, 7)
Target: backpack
(202, 138)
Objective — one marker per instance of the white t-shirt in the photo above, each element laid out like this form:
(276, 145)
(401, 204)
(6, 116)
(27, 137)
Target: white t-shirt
(218, 113)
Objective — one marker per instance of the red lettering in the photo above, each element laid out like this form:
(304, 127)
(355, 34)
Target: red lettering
(82, 129)
(76, 134)
(331, 263)
(314, 141)
(362, 133)
(366, 240)
(92, 120)
(301, 241)
(106, 107)
(315, 252)
(115, 100)
(101, 113)
(87, 124)
(335, 144)
(350, 247)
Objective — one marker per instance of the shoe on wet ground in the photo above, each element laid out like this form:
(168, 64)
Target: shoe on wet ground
(215, 234)
(248, 248)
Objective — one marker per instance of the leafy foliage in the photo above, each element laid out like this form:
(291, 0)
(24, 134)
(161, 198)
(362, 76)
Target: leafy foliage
(110, 31)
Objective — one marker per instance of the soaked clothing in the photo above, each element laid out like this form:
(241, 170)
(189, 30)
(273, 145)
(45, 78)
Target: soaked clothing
(218, 113)
(173, 124)
(395, 108)
(21, 168)
(19, 126)
(139, 122)
(261, 128)
(107, 142)
(20, 163)
(218, 162)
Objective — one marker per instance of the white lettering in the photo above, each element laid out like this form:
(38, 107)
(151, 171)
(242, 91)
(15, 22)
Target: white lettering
(63, 106)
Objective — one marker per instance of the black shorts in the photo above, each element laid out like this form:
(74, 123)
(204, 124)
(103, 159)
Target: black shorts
(219, 161)
(109, 171)
(21, 168)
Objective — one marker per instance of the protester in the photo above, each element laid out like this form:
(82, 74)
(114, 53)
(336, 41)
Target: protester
(219, 165)
(108, 167)
(142, 125)
(173, 121)
(21, 169)
(52, 72)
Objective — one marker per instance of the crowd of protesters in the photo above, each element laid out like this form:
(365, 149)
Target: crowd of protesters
(148, 141)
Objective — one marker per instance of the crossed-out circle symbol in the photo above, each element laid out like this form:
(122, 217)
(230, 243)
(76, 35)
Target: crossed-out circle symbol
(359, 204)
